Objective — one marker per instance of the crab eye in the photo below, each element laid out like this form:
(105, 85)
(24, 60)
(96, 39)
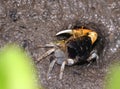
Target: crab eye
(87, 33)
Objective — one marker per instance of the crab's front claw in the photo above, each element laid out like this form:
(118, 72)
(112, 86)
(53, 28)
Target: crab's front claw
(68, 31)
(93, 35)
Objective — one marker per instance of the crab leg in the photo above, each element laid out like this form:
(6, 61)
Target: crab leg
(62, 69)
(51, 67)
(50, 45)
(46, 54)
(93, 55)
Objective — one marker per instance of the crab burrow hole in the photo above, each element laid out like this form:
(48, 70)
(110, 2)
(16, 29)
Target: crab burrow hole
(101, 43)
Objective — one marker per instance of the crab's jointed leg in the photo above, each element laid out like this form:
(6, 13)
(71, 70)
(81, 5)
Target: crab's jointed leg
(94, 55)
(50, 45)
(51, 67)
(46, 54)
(62, 69)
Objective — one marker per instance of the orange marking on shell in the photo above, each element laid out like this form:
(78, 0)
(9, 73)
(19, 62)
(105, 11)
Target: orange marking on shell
(85, 32)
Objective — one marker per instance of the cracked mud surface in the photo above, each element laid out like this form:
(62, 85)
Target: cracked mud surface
(35, 22)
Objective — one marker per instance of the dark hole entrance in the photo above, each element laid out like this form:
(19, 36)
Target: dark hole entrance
(101, 41)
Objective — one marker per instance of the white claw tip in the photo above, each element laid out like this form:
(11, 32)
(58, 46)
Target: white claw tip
(69, 31)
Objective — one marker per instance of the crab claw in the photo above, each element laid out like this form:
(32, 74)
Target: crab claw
(68, 31)
(93, 35)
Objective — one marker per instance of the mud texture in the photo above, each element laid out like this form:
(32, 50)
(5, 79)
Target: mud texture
(35, 22)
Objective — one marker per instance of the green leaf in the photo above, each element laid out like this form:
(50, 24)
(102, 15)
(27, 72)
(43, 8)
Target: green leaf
(113, 78)
(16, 69)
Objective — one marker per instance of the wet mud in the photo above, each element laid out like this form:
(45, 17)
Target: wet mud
(31, 23)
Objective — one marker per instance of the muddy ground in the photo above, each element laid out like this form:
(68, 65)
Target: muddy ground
(35, 22)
